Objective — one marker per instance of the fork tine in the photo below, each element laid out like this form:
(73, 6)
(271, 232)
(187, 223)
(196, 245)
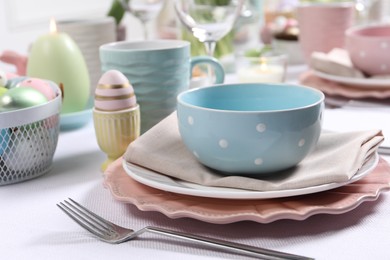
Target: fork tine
(91, 215)
(89, 218)
(80, 220)
(86, 218)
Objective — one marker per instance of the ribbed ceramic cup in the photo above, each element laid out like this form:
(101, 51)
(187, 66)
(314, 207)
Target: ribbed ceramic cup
(322, 26)
(158, 70)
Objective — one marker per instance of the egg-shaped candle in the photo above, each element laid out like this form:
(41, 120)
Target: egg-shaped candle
(56, 57)
(116, 115)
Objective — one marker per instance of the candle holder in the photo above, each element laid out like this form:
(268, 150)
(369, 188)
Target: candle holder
(254, 67)
(115, 131)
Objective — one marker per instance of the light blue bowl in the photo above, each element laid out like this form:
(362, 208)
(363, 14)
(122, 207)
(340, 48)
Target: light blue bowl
(242, 129)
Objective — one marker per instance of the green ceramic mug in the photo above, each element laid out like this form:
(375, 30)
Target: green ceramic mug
(158, 70)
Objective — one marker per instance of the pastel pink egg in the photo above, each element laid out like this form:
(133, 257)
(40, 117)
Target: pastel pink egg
(40, 85)
(114, 92)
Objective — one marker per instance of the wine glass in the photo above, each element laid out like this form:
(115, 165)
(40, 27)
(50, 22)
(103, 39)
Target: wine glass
(208, 20)
(144, 10)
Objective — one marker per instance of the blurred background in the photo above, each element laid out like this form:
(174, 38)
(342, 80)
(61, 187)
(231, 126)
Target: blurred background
(262, 22)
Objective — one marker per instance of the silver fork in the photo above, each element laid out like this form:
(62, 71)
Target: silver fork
(114, 234)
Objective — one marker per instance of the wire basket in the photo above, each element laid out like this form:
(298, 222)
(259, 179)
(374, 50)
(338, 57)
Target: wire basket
(28, 140)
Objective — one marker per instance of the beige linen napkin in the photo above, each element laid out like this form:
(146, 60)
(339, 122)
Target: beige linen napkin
(337, 157)
(336, 62)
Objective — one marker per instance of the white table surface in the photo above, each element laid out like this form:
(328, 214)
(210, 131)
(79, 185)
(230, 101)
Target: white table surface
(32, 227)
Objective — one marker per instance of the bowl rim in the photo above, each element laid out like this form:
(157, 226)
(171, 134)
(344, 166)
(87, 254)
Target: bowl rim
(352, 31)
(181, 102)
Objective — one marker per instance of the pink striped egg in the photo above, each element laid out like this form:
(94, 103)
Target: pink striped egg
(114, 92)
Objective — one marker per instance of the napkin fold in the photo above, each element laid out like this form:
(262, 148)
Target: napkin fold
(337, 157)
(336, 62)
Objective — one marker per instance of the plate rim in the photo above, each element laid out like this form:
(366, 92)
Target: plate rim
(216, 192)
(363, 83)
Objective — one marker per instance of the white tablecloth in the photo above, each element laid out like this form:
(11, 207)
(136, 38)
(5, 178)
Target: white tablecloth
(32, 227)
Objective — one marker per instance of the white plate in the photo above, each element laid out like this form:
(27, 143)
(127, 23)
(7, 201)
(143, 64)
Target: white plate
(166, 183)
(356, 82)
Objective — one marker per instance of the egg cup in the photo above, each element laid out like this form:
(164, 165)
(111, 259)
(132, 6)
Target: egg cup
(115, 130)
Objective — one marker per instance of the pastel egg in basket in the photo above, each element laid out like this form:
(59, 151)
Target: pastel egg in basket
(253, 128)
(29, 129)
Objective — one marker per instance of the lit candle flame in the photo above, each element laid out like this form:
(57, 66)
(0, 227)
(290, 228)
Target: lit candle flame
(263, 65)
(53, 25)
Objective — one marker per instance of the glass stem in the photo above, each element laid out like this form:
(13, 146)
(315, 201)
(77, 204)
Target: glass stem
(144, 27)
(210, 47)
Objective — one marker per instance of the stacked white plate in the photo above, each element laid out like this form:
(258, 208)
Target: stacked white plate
(89, 34)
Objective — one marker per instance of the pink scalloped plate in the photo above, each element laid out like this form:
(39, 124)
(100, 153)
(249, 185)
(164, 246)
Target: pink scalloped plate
(223, 211)
(330, 87)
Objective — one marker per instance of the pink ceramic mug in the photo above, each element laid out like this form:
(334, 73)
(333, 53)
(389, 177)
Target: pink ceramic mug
(322, 26)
